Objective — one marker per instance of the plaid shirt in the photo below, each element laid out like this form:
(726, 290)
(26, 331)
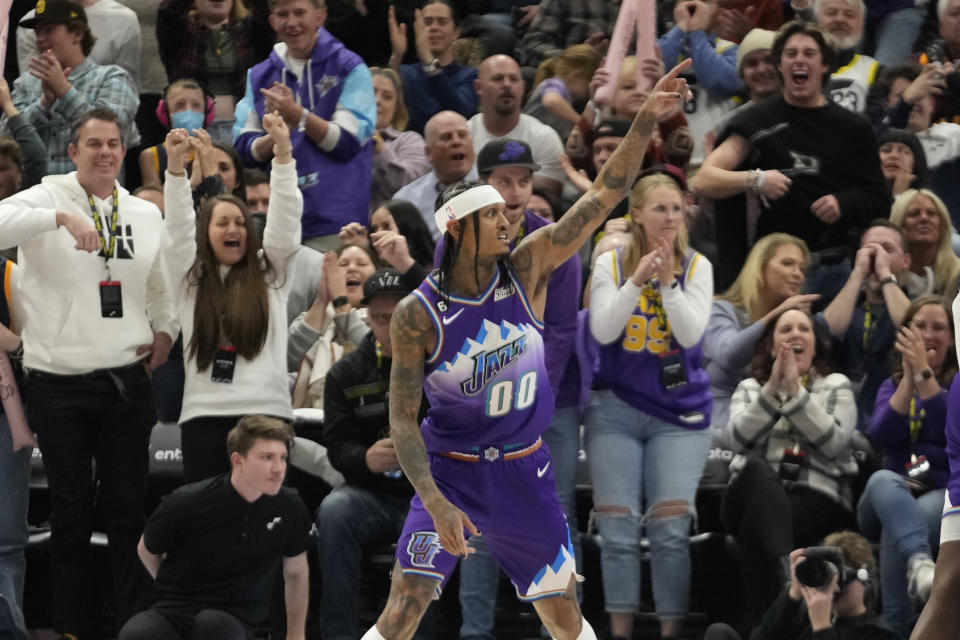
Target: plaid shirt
(183, 42)
(561, 23)
(94, 85)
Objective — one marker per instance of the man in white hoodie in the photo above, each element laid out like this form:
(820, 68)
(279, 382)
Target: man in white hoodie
(98, 316)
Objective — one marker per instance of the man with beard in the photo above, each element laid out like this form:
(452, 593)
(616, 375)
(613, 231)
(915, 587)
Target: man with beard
(855, 73)
(500, 87)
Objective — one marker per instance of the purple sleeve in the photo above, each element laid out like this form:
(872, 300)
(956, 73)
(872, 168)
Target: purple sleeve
(953, 442)
(560, 320)
(555, 85)
(888, 429)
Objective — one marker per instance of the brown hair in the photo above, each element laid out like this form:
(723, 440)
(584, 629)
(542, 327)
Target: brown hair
(88, 39)
(949, 367)
(762, 363)
(97, 113)
(233, 309)
(828, 50)
(240, 439)
(11, 148)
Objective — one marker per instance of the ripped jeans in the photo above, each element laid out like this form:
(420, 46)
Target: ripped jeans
(637, 461)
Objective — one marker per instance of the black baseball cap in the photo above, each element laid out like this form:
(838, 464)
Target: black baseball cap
(55, 11)
(383, 281)
(614, 126)
(505, 152)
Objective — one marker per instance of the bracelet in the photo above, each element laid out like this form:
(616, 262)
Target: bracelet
(302, 124)
(16, 354)
(340, 301)
(925, 374)
(755, 180)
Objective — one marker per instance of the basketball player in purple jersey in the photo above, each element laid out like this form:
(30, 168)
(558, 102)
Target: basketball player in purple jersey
(940, 618)
(469, 337)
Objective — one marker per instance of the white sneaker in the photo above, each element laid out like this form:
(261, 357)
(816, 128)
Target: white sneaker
(920, 578)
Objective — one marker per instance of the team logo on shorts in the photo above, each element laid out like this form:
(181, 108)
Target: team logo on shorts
(423, 546)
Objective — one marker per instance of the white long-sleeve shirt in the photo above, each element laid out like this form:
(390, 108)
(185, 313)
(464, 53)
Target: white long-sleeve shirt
(64, 331)
(259, 385)
(611, 304)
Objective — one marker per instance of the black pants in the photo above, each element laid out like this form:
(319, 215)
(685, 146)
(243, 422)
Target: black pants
(203, 442)
(163, 623)
(104, 417)
(770, 521)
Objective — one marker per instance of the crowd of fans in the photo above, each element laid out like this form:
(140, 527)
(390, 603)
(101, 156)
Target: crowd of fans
(247, 188)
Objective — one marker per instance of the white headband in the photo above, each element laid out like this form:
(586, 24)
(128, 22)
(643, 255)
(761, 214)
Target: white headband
(466, 203)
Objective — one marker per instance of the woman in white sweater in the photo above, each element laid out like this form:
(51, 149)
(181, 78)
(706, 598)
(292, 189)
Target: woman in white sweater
(231, 295)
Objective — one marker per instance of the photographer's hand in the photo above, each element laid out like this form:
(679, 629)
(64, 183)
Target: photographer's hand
(820, 603)
(796, 557)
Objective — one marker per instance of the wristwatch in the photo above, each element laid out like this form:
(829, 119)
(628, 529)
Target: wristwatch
(432, 68)
(925, 374)
(302, 124)
(340, 301)
(890, 278)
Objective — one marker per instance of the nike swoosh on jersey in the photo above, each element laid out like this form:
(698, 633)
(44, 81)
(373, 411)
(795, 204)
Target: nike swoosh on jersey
(540, 471)
(448, 319)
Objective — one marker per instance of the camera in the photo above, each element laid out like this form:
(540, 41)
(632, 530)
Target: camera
(815, 571)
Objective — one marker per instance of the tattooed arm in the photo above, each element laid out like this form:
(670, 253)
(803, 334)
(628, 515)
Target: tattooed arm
(548, 247)
(411, 333)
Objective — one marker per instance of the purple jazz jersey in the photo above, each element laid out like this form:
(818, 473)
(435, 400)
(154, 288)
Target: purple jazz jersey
(488, 388)
(953, 446)
(514, 505)
(486, 379)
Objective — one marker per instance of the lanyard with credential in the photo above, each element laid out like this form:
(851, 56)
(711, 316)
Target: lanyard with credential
(108, 245)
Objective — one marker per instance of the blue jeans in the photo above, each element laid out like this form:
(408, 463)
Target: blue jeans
(14, 499)
(479, 572)
(636, 462)
(895, 34)
(349, 519)
(905, 525)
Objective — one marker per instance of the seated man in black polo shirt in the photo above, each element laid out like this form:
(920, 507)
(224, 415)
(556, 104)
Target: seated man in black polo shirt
(214, 546)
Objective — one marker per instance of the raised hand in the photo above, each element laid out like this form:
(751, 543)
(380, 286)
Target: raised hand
(178, 147)
(664, 262)
(353, 233)
(279, 97)
(578, 179)
(398, 37)
(773, 384)
(911, 348)
(645, 268)
(791, 375)
(668, 92)
(276, 127)
(600, 78)
(420, 39)
(47, 68)
(333, 275)
(392, 249)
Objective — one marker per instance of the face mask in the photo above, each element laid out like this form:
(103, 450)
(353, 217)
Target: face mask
(188, 120)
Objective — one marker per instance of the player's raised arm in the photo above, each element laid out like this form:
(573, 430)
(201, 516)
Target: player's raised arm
(550, 246)
(411, 332)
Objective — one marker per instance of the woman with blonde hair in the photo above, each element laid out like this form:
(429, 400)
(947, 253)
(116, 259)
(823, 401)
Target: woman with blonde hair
(770, 281)
(398, 155)
(926, 222)
(646, 427)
